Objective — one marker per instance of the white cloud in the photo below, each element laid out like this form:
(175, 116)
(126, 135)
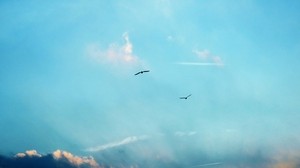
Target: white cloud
(181, 134)
(75, 160)
(116, 55)
(206, 55)
(20, 155)
(202, 54)
(128, 46)
(125, 141)
(217, 60)
(30, 153)
(206, 59)
(60, 155)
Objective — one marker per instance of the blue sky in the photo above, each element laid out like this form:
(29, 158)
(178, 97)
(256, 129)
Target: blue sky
(67, 76)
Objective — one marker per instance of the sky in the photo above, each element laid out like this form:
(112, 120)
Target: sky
(68, 89)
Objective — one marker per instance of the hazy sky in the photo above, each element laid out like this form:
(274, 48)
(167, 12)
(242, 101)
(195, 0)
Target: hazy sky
(67, 78)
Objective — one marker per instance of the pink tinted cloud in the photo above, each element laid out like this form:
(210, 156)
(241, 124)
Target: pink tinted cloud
(115, 54)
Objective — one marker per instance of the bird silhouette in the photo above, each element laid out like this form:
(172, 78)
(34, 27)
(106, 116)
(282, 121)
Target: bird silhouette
(186, 97)
(142, 72)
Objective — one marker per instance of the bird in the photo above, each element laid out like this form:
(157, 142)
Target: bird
(185, 97)
(142, 72)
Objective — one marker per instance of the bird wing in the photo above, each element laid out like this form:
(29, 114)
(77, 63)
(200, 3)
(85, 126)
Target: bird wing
(189, 95)
(182, 97)
(137, 73)
(146, 71)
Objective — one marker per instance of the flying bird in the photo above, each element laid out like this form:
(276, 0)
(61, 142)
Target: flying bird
(142, 72)
(185, 97)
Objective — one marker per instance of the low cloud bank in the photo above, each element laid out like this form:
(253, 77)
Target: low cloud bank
(178, 152)
(57, 159)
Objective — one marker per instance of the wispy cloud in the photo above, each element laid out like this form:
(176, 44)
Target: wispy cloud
(206, 55)
(115, 54)
(180, 133)
(125, 141)
(206, 58)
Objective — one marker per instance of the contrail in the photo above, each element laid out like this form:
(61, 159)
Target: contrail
(199, 63)
(208, 164)
(125, 141)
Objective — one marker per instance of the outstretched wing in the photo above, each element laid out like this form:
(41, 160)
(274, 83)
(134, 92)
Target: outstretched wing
(142, 72)
(137, 73)
(185, 97)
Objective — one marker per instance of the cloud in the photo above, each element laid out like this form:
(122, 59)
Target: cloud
(217, 60)
(206, 55)
(29, 153)
(115, 55)
(206, 58)
(180, 133)
(74, 160)
(57, 159)
(125, 141)
(203, 54)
